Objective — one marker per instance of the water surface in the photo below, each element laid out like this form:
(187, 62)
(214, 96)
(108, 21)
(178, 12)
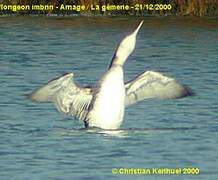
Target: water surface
(37, 142)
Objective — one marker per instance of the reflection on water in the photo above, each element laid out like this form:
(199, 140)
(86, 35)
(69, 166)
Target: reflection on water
(119, 132)
(39, 142)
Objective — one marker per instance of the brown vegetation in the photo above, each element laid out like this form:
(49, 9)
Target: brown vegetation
(179, 7)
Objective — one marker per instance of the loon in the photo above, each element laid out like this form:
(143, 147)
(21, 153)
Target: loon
(103, 105)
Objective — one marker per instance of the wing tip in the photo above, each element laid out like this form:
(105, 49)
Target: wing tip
(188, 91)
(182, 92)
(37, 97)
(29, 97)
(48, 91)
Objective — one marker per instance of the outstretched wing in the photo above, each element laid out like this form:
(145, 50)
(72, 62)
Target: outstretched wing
(152, 84)
(71, 99)
(68, 97)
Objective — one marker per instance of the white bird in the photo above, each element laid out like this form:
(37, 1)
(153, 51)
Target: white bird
(103, 105)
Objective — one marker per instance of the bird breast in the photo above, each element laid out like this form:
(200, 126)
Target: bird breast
(108, 105)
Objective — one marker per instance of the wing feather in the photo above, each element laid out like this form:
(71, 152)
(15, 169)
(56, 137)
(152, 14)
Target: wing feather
(71, 99)
(68, 97)
(152, 84)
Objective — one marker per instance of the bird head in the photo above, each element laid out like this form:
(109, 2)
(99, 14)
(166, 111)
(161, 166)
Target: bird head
(126, 47)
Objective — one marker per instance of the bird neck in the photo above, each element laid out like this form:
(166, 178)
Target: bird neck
(116, 61)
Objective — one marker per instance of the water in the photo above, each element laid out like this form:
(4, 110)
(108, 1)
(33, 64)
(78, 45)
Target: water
(37, 142)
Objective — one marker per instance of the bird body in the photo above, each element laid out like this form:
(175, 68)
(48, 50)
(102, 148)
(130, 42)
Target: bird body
(103, 105)
(107, 106)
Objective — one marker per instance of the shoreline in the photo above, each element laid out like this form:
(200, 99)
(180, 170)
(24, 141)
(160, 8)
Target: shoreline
(198, 8)
(103, 15)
